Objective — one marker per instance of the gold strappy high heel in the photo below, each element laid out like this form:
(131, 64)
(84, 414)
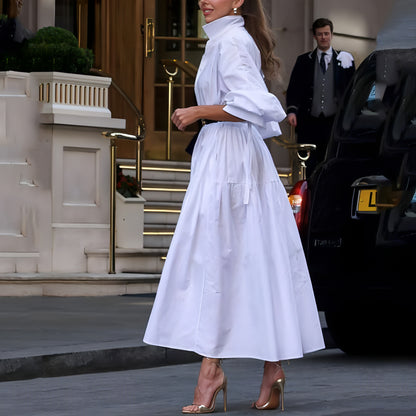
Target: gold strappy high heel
(276, 396)
(211, 408)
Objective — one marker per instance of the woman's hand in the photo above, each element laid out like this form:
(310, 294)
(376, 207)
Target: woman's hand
(292, 119)
(183, 117)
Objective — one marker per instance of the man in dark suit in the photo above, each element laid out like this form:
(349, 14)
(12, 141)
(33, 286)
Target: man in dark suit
(317, 83)
(12, 32)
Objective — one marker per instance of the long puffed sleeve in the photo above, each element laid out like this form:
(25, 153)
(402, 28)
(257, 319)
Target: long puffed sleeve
(243, 88)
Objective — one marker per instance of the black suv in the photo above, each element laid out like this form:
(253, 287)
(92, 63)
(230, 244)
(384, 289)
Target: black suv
(357, 212)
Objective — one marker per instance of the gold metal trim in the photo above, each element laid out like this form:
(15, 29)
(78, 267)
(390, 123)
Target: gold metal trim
(165, 189)
(149, 38)
(161, 210)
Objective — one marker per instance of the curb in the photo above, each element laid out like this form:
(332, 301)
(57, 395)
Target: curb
(98, 361)
(116, 359)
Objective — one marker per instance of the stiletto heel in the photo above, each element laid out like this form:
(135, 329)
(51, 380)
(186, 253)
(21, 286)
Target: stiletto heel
(277, 393)
(211, 408)
(224, 394)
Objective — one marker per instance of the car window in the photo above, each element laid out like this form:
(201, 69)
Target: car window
(404, 125)
(360, 102)
(411, 210)
(364, 112)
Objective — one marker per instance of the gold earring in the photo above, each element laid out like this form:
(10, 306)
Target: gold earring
(235, 10)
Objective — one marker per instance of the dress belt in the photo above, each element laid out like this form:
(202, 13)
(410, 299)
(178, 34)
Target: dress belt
(205, 122)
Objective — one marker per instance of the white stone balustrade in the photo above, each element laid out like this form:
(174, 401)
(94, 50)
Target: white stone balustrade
(55, 169)
(71, 93)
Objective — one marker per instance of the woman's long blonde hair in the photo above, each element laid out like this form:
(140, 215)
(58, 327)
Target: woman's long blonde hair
(257, 25)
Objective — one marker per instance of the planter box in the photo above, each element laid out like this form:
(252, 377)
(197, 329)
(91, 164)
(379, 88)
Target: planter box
(129, 221)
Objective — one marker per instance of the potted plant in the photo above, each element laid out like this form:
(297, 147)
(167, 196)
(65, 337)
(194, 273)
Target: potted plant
(126, 185)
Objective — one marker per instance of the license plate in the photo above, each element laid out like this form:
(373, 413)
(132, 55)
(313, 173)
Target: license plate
(367, 200)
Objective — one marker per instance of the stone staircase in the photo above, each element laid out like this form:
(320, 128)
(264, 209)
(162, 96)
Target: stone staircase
(164, 186)
(137, 270)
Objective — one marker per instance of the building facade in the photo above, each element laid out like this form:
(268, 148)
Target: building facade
(132, 39)
(54, 162)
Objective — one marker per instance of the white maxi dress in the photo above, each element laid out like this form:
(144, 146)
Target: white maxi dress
(235, 283)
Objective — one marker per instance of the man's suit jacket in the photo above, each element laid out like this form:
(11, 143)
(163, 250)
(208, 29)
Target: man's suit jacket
(7, 32)
(300, 90)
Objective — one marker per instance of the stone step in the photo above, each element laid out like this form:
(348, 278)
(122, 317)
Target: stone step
(158, 169)
(166, 163)
(157, 191)
(77, 284)
(145, 260)
(158, 235)
(161, 213)
(170, 184)
(165, 173)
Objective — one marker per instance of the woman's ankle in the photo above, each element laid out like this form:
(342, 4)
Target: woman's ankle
(210, 368)
(274, 363)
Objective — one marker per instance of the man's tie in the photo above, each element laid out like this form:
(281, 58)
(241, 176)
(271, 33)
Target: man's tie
(322, 62)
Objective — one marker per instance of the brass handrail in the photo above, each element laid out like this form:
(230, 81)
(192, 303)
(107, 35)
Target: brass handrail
(170, 75)
(138, 138)
(141, 126)
(140, 129)
(187, 68)
(113, 185)
(298, 163)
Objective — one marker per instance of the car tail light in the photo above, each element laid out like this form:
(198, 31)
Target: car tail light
(298, 199)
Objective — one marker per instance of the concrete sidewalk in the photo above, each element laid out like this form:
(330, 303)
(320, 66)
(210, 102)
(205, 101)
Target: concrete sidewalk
(325, 383)
(49, 336)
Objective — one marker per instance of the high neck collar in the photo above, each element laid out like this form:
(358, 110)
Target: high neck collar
(218, 26)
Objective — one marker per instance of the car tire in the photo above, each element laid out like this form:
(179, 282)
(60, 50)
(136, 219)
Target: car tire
(375, 329)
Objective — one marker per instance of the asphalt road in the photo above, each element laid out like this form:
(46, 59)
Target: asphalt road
(321, 384)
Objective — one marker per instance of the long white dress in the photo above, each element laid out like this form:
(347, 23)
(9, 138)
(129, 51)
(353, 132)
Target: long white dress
(235, 282)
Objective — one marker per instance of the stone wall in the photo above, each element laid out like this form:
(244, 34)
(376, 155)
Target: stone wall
(55, 169)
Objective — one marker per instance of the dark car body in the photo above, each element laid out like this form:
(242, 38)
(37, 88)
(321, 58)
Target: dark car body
(359, 210)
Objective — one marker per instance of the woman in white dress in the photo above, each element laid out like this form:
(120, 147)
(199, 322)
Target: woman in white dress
(235, 283)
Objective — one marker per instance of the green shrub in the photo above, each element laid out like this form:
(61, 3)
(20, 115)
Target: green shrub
(51, 49)
(54, 35)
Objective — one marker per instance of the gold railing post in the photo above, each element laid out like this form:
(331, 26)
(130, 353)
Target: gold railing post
(302, 164)
(138, 137)
(139, 166)
(113, 182)
(170, 96)
(188, 69)
(139, 154)
(298, 161)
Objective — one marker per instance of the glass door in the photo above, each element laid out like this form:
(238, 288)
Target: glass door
(174, 41)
